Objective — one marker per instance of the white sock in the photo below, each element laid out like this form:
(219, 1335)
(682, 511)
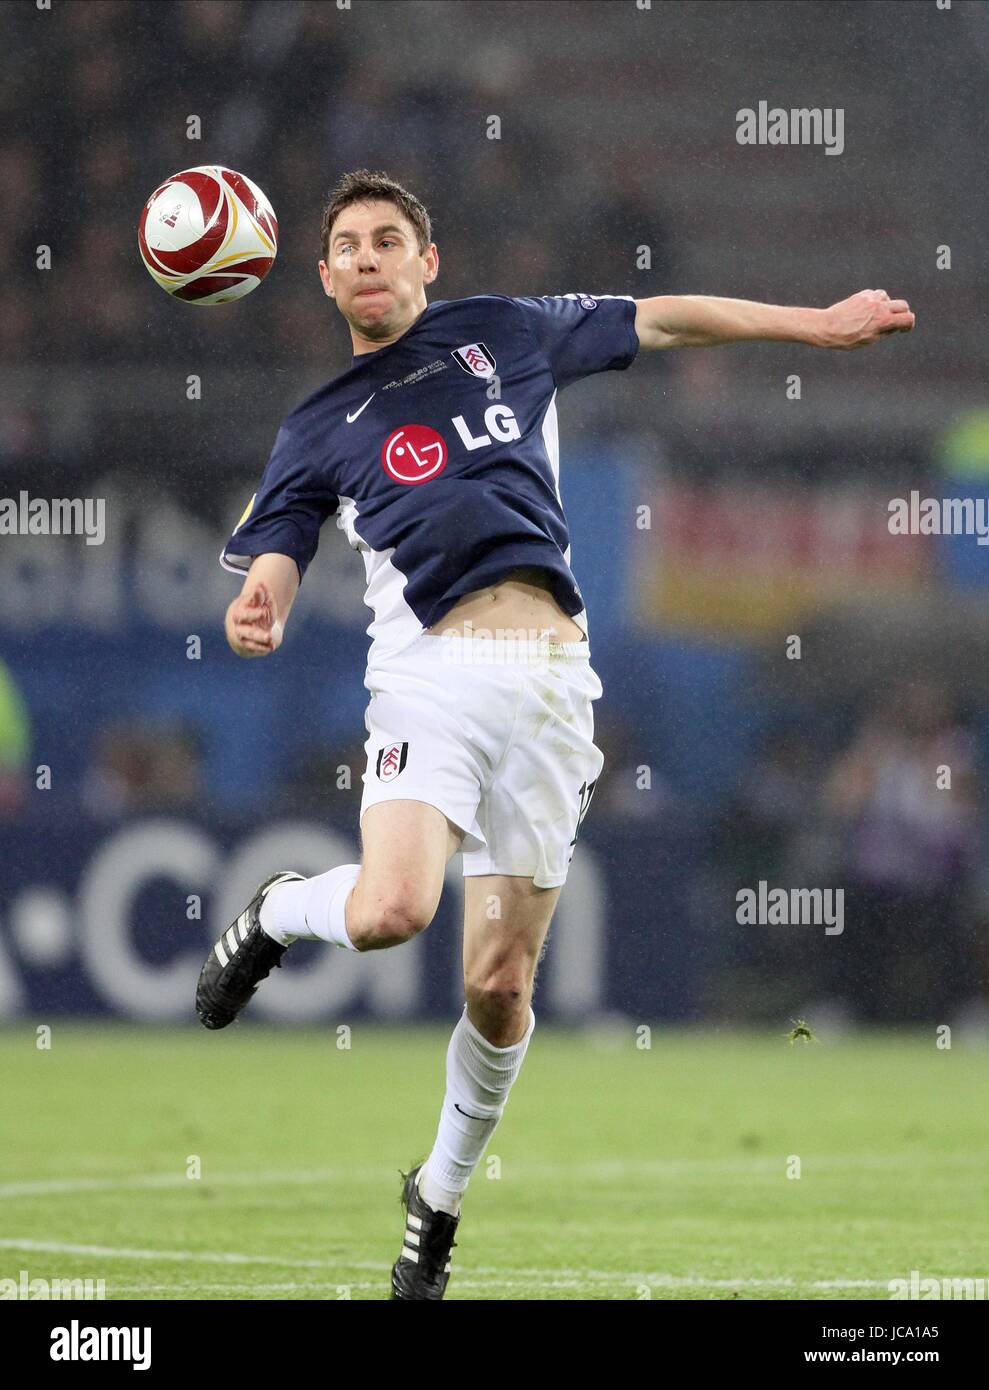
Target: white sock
(313, 909)
(479, 1077)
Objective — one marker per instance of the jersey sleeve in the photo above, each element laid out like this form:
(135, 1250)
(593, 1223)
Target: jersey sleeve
(286, 512)
(581, 334)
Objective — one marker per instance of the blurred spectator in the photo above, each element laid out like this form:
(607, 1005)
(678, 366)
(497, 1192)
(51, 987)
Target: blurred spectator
(769, 830)
(15, 745)
(758, 834)
(622, 225)
(141, 767)
(630, 783)
(318, 775)
(909, 843)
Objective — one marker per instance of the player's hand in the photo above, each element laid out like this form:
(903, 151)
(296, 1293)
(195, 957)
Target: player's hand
(252, 625)
(865, 317)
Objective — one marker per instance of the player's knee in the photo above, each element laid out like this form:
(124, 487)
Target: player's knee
(497, 996)
(398, 920)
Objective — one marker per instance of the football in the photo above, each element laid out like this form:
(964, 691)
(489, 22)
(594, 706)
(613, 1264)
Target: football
(208, 235)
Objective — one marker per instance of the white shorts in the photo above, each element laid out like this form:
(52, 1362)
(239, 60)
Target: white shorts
(499, 736)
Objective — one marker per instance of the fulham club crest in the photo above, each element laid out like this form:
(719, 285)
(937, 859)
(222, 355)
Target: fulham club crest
(475, 359)
(391, 759)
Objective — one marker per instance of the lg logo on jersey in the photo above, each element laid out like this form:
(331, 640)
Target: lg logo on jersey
(413, 454)
(498, 420)
(417, 453)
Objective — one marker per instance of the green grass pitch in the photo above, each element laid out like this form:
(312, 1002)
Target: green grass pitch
(621, 1173)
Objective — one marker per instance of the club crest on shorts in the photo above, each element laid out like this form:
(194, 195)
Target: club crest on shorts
(391, 759)
(475, 359)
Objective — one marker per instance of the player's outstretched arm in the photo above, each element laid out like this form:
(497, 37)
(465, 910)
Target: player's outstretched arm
(699, 320)
(256, 619)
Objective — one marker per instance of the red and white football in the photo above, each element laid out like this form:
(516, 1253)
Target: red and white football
(208, 235)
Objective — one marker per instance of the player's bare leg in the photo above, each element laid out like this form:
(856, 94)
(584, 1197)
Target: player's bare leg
(383, 901)
(501, 951)
(506, 920)
(407, 845)
(386, 899)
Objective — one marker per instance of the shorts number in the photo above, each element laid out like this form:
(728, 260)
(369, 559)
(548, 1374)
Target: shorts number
(586, 792)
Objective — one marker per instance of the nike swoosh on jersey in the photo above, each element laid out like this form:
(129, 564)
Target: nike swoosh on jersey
(352, 418)
(467, 1113)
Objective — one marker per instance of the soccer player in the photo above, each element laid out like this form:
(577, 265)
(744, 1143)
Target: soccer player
(436, 452)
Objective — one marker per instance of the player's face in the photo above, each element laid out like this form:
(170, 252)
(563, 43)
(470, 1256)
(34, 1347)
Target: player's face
(374, 269)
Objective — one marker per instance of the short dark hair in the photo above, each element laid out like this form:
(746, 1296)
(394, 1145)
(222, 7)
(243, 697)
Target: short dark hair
(363, 185)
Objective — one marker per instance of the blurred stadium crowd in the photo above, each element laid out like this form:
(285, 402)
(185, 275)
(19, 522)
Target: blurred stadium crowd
(286, 89)
(612, 173)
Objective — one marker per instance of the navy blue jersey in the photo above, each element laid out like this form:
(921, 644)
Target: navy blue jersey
(439, 456)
